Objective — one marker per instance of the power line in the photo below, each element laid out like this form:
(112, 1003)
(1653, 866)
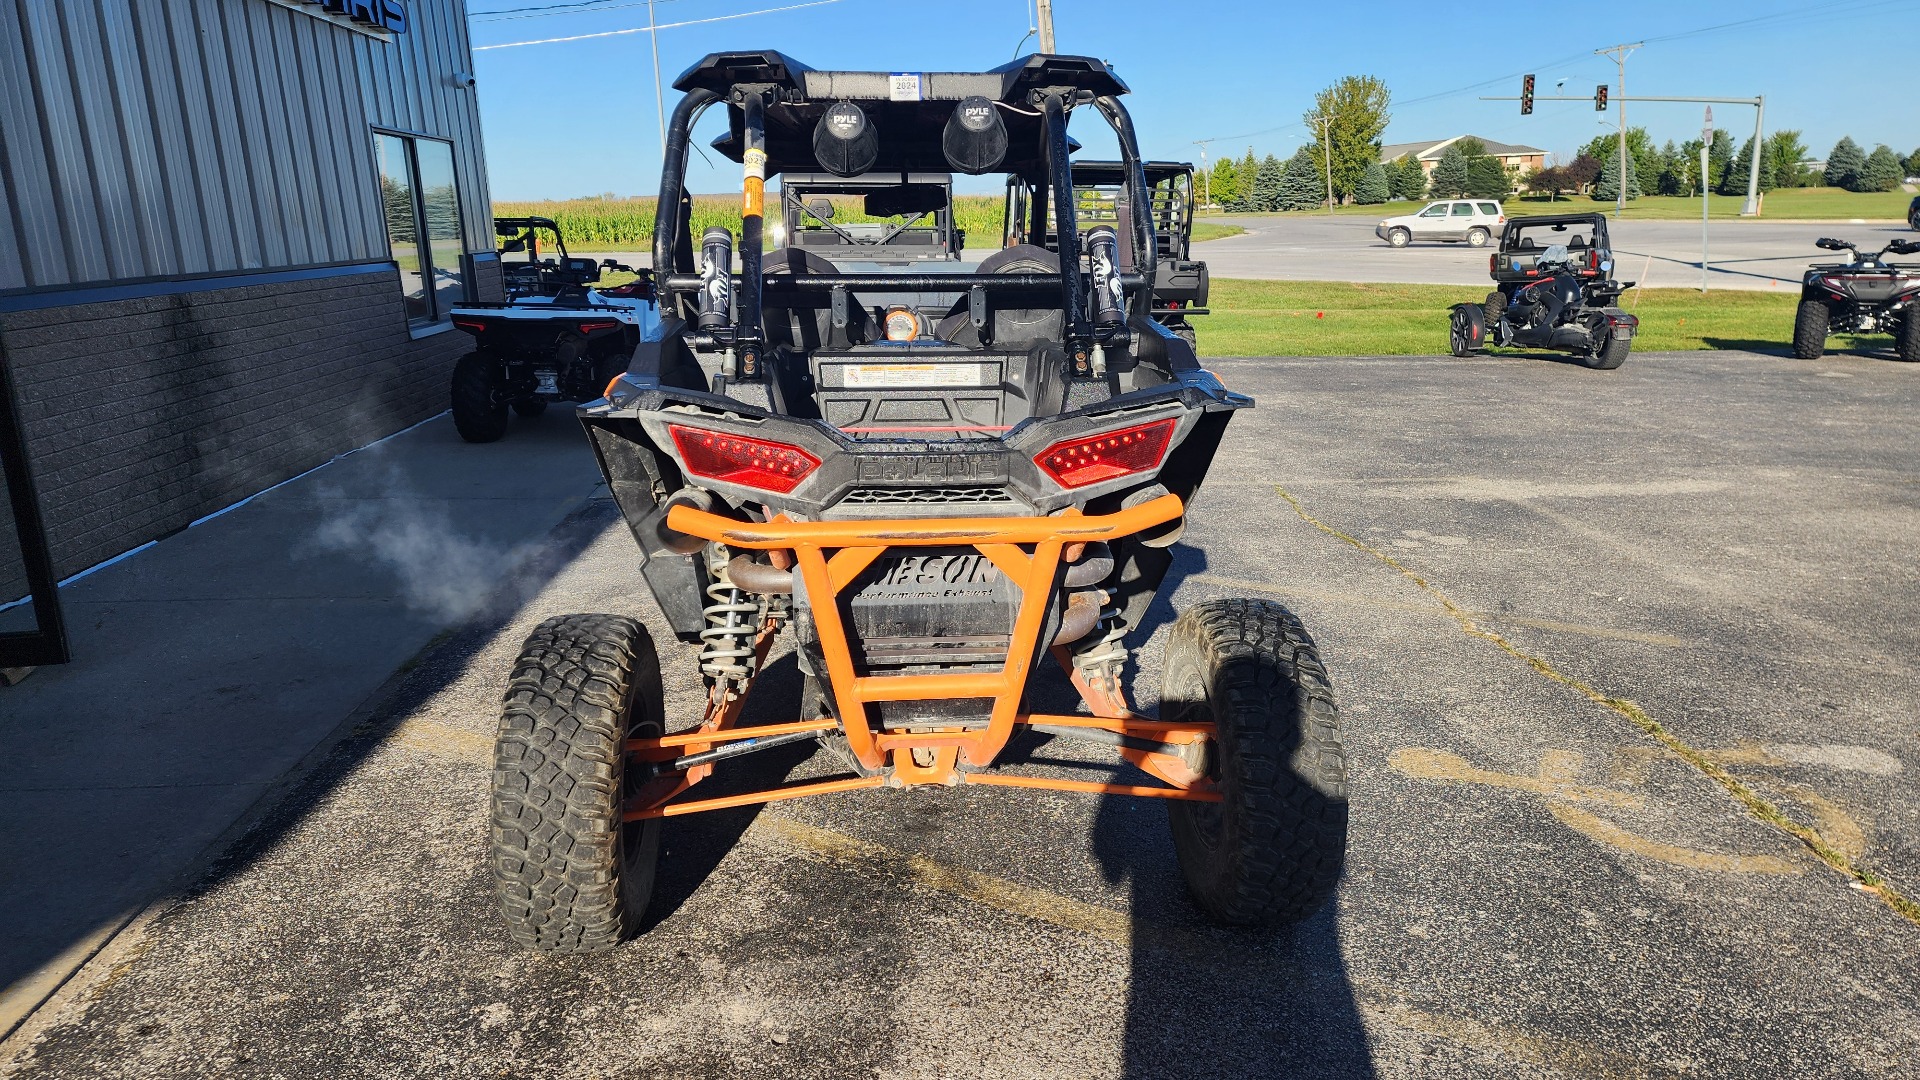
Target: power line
(565, 7)
(656, 28)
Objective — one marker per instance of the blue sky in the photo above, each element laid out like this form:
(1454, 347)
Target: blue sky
(578, 118)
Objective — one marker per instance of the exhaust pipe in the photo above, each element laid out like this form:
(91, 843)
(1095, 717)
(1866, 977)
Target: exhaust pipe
(759, 577)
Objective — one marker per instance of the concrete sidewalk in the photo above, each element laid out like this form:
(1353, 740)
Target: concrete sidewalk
(210, 665)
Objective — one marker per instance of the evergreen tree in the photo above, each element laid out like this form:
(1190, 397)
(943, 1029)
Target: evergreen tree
(1487, 178)
(1450, 174)
(1374, 187)
(1249, 171)
(1608, 188)
(1735, 182)
(1266, 186)
(1409, 179)
(1913, 163)
(1673, 170)
(1719, 158)
(1300, 185)
(1685, 169)
(1845, 163)
(1882, 172)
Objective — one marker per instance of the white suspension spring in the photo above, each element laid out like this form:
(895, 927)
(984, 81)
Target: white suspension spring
(1104, 658)
(726, 644)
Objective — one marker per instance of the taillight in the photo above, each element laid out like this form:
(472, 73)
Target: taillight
(736, 459)
(586, 328)
(1493, 264)
(471, 326)
(1090, 459)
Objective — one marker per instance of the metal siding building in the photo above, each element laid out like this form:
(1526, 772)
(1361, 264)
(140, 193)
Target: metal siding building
(224, 252)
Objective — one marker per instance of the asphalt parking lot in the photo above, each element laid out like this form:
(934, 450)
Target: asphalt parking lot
(1496, 556)
(1762, 255)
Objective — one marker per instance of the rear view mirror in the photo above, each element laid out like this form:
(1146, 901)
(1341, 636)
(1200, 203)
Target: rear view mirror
(515, 244)
(909, 200)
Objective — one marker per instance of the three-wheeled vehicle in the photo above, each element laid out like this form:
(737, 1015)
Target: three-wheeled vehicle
(1553, 289)
(902, 218)
(1180, 283)
(556, 338)
(930, 495)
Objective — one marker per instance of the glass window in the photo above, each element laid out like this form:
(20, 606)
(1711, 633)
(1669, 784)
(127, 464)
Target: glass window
(1490, 209)
(1436, 210)
(1463, 209)
(421, 201)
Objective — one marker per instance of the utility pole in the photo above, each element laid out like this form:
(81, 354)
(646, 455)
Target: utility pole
(1046, 25)
(1620, 54)
(1326, 146)
(1752, 208)
(1206, 181)
(1706, 143)
(659, 96)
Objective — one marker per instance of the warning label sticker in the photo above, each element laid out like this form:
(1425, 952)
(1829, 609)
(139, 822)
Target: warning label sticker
(905, 376)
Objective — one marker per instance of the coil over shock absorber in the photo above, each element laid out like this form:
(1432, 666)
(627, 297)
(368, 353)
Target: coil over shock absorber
(727, 656)
(1102, 658)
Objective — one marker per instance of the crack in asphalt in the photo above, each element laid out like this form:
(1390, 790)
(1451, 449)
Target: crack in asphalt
(1757, 805)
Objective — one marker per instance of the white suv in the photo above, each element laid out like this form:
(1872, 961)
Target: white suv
(1452, 220)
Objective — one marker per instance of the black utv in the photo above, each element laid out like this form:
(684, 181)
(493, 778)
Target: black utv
(1864, 295)
(1100, 195)
(934, 483)
(1553, 289)
(898, 218)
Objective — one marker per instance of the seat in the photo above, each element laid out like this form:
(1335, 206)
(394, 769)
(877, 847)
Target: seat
(804, 329)
(1010, 326)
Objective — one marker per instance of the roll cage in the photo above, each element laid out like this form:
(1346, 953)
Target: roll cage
(774, 106)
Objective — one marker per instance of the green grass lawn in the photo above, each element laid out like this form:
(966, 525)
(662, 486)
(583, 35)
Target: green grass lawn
(1313, 318)
(1207, 230)
(1809, 204)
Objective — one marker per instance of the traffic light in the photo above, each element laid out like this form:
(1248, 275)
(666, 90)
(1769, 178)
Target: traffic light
(1600, 98)
(1526, 95)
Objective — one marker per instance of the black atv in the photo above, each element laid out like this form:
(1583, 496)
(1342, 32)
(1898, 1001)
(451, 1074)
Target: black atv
(933, 481)
(1865, 295)
(1553, 290)
(1180, 284)
(557, 338)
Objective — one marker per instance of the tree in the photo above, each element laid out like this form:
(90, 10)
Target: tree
(1582, 172)
(1719, 158)
(1487, 178)
(1845, 163)
(1409, 178)
(1374, 187)
(1684, 170)
(1735, 182)
(1355, 109)
(1301, 185)
(1549, 181)
(1266, 186)
(1883, 171)
(1608, 188)
(1450, 174)
(1913, 163)
(1782, 159)
(1223, 183)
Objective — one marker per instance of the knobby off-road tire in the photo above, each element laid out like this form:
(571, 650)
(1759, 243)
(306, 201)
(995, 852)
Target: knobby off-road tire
(1186, 333)
(569, 876)
(530, 407)
(478, 415)
(1906, 343)
(1610, 354)
(1810, 329)
(1271, 853)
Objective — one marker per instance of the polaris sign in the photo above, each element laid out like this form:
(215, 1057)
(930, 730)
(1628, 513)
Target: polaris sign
(388, 15)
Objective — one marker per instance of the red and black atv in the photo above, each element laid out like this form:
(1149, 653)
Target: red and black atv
(932, 481)
(1864, 295)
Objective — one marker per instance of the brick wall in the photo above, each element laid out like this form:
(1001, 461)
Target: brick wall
(143, 415)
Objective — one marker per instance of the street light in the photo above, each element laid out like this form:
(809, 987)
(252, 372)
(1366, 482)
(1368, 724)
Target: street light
(1326, 146)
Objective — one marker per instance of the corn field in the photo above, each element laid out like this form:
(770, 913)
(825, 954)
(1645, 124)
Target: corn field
(627, 224)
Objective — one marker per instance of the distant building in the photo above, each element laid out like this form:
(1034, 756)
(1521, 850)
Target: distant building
(1525, 158)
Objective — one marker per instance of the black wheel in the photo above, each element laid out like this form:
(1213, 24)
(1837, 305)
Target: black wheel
(478, 413)
(1398, 237)
(1466, 330)
(1186, 333)
(569, 875)
(530, 407)
(1272, 851)
(1609, 354)
(1477, 237)
(1810, 329)
(1906, 342)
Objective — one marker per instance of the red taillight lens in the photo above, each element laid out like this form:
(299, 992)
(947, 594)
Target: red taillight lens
(1093, 458)
(586, 328)
(1493, 264)
(471, 326)
(736, 459)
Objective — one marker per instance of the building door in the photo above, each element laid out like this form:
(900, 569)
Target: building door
(421, 204)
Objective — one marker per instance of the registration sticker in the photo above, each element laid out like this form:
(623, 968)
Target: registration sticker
(904, 86)
(907, 376)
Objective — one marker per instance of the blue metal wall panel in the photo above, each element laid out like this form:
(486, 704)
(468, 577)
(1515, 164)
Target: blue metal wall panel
(145, 138)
